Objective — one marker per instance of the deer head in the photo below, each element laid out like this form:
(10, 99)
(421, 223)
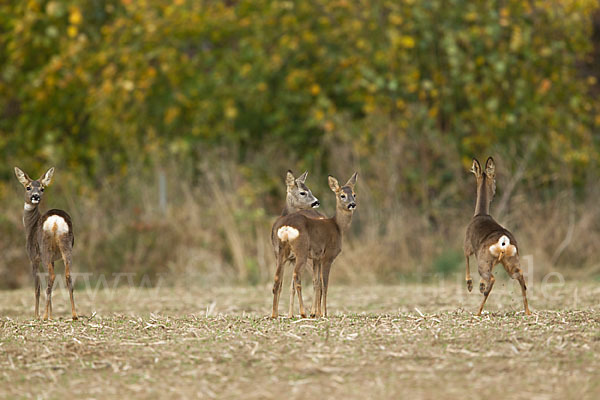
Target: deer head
(299, 195)
(345, 196)
(34, 189)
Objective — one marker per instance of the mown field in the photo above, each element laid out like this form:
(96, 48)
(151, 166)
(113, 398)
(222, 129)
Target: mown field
(408, 341)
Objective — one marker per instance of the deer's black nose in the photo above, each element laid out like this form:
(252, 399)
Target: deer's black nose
(35, 197)
(316, 204)
(351, 206)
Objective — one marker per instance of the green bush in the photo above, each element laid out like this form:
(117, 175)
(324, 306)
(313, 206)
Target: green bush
(100, 85)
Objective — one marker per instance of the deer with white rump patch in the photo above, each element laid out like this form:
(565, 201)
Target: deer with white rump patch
(489, 241)
(49, 238)
(298, 198)
(318, 239)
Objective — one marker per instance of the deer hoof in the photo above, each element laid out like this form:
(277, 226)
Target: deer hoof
(470, 285)
(482, 287)
(75, 318)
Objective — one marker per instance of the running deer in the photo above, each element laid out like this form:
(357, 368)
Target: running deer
(49, 238)
(489, 241)
(299, 198)
(317, 239)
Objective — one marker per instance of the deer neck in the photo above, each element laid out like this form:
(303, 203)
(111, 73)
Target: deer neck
(289, 208)
(482, 206)
(31, 215)
(342, 219)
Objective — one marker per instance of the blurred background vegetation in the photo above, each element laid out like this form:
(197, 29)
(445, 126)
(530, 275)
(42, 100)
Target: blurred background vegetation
(172, 123)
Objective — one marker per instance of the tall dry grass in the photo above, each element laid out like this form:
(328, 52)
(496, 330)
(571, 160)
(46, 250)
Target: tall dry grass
(210, 223)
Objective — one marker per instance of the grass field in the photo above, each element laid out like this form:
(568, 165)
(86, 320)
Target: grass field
(410, 341)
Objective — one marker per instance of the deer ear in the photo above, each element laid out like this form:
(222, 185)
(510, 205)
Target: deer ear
(22, 177)
(333, 183)
(476, 168)
(490, 168)
(289, 179)
(302, 178)
(352, 181)
(47, 177)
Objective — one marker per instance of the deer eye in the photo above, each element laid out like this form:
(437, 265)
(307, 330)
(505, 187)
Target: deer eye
(302, 193)
(42, 189)
(28, 188)
(343, 196)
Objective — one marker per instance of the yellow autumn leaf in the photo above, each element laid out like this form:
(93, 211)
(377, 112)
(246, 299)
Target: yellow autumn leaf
(319, 115)
(72, 31)
(245, 70)
(395, 19)
(75, 17)
(407, 42)
(231, 112)
(171, 114)
(315, 89)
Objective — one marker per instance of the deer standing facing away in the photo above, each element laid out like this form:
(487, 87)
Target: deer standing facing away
(489, 241)
(49, 238)
(318, 239)
(299, 198)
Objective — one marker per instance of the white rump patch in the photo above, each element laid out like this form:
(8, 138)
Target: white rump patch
(56, 223)
(287, 233)
(503, 247)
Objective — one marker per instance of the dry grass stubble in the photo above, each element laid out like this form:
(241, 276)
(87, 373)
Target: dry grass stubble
(421, 341)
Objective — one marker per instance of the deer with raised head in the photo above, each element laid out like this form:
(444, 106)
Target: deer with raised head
(49, 237)
(317, 239)
(298, 195)
(298, 198)
(489, 241)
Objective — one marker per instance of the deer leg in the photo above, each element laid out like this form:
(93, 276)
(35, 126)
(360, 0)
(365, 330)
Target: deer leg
(292, 295)
(277, 284)
(297, 282)
(468, 275)
(325, 268)
(485, 271)
(36, 285)
(66, 256)
(515, 272)
(316, 307)
(524, 293)
(51, 276)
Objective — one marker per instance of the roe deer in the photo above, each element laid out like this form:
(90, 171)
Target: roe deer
(298, 195)
(489, 241)
(318, 239)
(299, 198)
(49, 238)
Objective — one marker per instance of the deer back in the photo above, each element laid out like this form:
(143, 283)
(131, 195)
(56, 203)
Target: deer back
(47, 235)
(483, 231)
(317, 235)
